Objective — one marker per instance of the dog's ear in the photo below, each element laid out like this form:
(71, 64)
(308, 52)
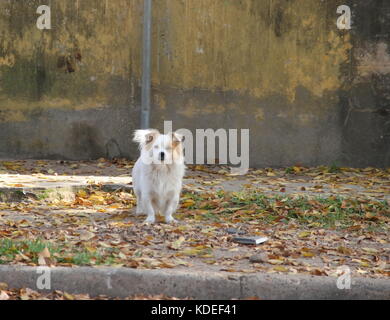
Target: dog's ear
(144, 137)
(177, 137)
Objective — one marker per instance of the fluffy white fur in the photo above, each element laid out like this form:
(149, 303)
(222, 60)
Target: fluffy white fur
(157, 181)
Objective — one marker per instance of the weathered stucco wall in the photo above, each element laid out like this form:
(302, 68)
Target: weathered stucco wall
(69, 92)
(308, 92)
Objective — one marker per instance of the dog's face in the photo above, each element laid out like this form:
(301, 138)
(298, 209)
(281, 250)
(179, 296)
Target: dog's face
(158, 148)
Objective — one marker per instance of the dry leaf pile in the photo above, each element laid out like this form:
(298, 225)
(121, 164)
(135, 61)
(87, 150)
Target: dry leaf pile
(317, 219)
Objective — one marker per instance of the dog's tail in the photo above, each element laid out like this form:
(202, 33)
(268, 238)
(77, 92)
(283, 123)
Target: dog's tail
(143, 137)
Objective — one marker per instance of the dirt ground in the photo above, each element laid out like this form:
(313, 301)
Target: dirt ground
(96, 227)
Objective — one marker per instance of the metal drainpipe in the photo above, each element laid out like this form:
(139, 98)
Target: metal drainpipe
(146, 65)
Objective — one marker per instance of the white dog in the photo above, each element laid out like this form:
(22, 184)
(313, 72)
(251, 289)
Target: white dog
(158, 173)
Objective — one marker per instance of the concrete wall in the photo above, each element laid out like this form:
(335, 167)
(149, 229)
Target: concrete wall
(309, 93)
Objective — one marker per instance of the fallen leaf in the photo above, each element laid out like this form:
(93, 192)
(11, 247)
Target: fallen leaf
(44, 257)
(308, 254)
(4, 295)
(68, 296)
(344, 250)
(304, 234)
(370, 250)
(177, 244)
(3, 286)
(188, 203)
(86, 235)
(280, 269)
(275, 261)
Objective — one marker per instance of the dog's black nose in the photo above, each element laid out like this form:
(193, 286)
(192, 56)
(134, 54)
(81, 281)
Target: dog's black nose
(162, 156)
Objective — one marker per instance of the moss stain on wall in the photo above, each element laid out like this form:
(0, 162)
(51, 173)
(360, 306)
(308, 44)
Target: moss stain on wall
(252, 47)
(92, 44)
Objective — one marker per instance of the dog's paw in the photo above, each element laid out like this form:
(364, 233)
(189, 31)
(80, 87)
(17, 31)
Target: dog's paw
(150, 220)
(171, 220)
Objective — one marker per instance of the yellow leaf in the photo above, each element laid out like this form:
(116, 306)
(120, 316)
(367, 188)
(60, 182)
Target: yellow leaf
(121, 224)
(257, 172)
(82, 194)
(362, 263)
(280, 269)
(188, 203)
(308, 254)
(177, 244)
(3, 286)
(190, 252)
(183, 228)
(200, 251)
(68, 296)
(304, 234)
(275, 261)
(96, 199)
(90, 249)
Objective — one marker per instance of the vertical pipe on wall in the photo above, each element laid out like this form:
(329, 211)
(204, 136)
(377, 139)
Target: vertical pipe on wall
(146, 65)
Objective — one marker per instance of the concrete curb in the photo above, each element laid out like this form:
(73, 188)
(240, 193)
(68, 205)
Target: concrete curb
(124, 282)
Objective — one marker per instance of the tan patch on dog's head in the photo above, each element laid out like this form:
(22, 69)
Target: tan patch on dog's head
(177, 146)
(145, 138)
(150, 138)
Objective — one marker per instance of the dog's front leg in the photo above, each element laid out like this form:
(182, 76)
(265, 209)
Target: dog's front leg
(170, 210)
(139, 210)
(149, 210)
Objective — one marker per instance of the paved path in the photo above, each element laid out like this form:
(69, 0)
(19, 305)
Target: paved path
(34, 176)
